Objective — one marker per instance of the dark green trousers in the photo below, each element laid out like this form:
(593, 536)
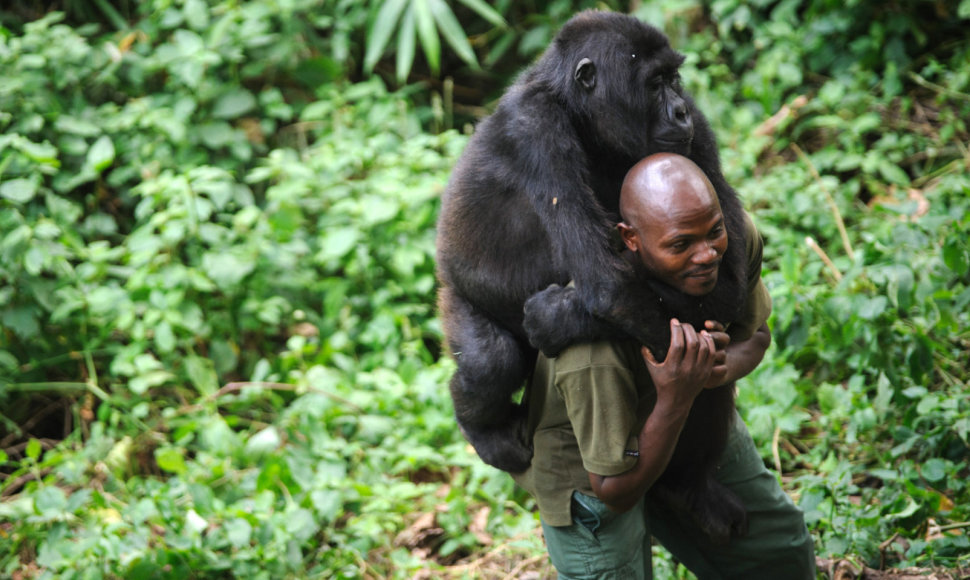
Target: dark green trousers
(603, 545)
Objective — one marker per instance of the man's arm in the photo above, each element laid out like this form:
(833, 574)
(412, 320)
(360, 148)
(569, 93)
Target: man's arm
(706, 358)
(678, 380)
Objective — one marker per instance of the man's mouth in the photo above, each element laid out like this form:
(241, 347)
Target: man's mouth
(703, 273)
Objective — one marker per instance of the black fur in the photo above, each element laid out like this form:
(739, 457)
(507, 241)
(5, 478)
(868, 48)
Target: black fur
(533, 202)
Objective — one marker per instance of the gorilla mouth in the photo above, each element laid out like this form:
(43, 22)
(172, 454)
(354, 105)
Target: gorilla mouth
(681, 146)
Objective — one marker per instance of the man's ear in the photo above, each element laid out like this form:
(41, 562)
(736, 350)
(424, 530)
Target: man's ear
(629, 236)
(585, 74)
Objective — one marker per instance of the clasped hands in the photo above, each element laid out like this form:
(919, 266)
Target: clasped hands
(696, 360)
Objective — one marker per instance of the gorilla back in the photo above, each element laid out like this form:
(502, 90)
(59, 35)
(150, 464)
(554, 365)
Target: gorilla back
(533, 202)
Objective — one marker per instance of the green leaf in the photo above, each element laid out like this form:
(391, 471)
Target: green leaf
(453, 32)
(142, 383)
(165, 336)
(102, 154)
(963, 10)
(427, 34)
(170, 459)
(42, 153)
(263, 442)
(50, 502)
(338, 242)
(202, 373)
(301, 524)
(381, 31)
(21, 320)
(955, 255)
(8, 362)
(33, 449)
(238, 532)
(871, 308)
(934, 470)
(406, 43)
(893, 173)
(227, 269)
(488, 13)
(34, 260)
(234, 104)
(18, 190)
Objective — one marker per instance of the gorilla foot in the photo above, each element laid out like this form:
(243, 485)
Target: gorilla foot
(716, 510)
(506, 447)
(719, 512)
(556, 318)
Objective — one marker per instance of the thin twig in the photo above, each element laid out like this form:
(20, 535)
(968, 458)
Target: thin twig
(831, 201)
(825, 257)
(956, 526)
(938, 88)
(240, 385)
(774, 449)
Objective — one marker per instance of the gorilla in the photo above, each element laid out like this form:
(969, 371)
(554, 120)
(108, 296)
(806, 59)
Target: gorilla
(527, 256)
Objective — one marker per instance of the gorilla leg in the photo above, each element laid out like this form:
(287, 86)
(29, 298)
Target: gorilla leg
(557, 317)
(689, 481)
(492, 366)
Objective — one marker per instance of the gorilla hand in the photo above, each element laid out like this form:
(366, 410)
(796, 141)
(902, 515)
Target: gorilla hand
(556, 317)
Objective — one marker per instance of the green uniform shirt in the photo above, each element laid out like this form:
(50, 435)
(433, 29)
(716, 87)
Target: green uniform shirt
(587, 406)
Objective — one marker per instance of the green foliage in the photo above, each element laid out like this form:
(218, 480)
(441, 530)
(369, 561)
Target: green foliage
(864, 392)
(423, 20)
(244, 281)
(219, 354)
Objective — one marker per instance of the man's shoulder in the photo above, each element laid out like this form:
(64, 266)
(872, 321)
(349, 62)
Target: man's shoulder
(752, 235)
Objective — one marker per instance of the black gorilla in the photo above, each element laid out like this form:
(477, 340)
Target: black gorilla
(532, 205)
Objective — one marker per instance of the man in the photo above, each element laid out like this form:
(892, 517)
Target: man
(607, 416)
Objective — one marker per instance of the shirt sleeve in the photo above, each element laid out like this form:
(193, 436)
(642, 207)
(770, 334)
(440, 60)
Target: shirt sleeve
(758, 306)
(601, 403)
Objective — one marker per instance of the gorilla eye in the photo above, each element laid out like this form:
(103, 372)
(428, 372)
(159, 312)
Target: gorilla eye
(633, 56)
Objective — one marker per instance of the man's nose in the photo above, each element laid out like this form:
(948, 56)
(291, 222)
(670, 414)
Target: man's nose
(706, 254)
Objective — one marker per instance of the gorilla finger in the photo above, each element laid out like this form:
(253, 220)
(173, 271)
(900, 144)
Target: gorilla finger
(714, 326)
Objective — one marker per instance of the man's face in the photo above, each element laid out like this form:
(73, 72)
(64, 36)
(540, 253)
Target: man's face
(682, 242)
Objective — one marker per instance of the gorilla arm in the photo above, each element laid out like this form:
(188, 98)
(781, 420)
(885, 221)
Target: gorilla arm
(742, 357)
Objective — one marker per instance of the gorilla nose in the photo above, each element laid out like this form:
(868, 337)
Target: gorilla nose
(679, 116)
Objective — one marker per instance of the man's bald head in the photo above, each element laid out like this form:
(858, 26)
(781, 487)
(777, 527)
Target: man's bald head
(672, 220)
(660, 183)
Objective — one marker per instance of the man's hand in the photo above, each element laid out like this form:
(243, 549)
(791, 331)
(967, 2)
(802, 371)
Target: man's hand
(690, 366)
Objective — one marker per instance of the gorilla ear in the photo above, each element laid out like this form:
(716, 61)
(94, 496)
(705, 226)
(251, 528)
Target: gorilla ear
(585, 74)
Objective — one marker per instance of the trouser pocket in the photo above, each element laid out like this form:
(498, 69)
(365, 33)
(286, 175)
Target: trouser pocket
(590, 512)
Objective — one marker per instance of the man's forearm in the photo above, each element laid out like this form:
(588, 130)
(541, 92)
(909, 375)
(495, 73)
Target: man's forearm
(657, 441)
(743, 357)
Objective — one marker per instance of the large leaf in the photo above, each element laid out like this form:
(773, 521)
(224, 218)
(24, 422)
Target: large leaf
(101, 154)
(453, 32)
(486, 12)
(406, 42)
(381, 31)
(427, 34)
(19, 190)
